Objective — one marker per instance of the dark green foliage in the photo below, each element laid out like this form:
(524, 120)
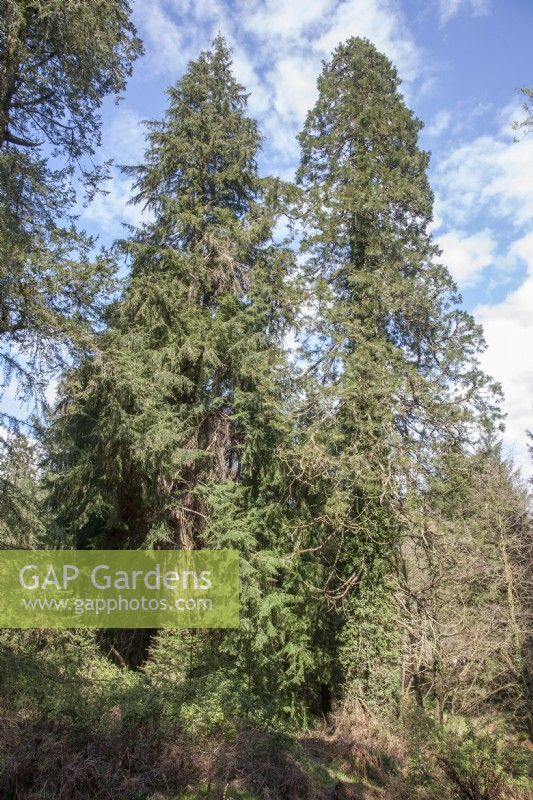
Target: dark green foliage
(370, 646)
(393, 379)
(58, 61)
(168, 435)
(392, 334)
(186, 387)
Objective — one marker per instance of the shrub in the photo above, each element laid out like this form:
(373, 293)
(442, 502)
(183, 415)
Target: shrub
(482, 766)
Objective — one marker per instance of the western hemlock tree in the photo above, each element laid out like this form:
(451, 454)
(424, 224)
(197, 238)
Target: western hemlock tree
(185, 386)
(166, 436)
(393, 378)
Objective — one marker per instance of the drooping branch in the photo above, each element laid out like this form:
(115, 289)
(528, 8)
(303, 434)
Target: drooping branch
(11, 138)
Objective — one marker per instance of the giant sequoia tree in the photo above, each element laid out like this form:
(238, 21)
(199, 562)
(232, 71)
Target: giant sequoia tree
(394, 376)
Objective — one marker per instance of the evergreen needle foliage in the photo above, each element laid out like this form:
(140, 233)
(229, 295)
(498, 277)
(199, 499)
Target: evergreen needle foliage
(186, 387)
(393, 380)
(385, 544)
(58, 60)
(167, 435)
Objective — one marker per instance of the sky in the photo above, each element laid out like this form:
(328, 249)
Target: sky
(461, 64)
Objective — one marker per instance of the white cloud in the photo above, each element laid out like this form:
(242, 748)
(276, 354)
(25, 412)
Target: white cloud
(124, 141)
(124, 138)
(449, 8)
(50, 392)
(110, 212)
(523, 249)
(379, 21)
(200, 9)
(492, 174)
(167, 46)
(279, 58)
(280, 18)
(466, 256)
(439, 124)
(246, 74)
(508, 327)
(293, 83)
(460, 121)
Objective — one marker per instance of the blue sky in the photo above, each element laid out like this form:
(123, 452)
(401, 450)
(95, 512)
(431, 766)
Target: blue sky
(461, 62)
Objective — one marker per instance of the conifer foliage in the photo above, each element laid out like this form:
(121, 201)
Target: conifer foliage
(343, 479)
(393, 379)
(185, 389)
(58, 61)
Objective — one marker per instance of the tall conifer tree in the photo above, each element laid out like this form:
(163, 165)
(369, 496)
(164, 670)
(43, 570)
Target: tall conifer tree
(393, 357)
(58, 61)
(165, 437)
(185, 388)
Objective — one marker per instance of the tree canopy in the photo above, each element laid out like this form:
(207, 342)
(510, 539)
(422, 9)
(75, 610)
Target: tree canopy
(58, 61)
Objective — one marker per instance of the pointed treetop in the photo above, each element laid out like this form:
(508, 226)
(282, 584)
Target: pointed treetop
(204, 150)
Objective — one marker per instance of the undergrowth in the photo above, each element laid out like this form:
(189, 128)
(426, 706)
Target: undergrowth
(74, 726)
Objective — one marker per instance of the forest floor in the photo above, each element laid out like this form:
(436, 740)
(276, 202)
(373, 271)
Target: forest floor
(348, 758)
